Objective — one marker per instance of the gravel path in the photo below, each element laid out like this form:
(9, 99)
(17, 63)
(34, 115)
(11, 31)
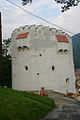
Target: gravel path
(67, 108)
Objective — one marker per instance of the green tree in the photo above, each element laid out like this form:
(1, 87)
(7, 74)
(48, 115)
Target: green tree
(5, 46)
(67, 3)
(6, 63)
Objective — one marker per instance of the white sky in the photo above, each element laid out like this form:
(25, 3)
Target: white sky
(13, 17)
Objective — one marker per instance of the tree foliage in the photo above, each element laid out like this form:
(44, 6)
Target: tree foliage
(6, 63)
(5, 46)
(26, 1)
(66, 3)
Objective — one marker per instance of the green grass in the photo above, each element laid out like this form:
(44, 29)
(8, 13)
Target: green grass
(18, 105)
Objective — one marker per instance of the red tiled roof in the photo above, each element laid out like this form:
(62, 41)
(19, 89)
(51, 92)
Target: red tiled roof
(62, 38)
(23, 35)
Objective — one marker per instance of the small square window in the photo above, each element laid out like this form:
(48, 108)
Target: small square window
(40, 55)
(26, 67)
(37, 73)
(53, 68)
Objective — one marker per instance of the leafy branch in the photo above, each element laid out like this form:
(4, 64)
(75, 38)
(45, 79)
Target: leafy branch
(67, 3)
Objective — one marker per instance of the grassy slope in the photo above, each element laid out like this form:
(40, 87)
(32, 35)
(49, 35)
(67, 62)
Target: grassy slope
(16, 105)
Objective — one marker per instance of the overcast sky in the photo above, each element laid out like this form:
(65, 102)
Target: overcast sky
(13, 17)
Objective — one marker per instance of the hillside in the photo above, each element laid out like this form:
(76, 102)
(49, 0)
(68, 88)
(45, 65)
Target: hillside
(16, 105)
(76, 50)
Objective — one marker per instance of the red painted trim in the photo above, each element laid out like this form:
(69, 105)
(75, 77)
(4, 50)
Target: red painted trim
(23, 35)
(62, 38)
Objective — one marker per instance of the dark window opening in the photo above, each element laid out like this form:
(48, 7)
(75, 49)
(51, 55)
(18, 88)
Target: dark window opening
(19, 48)
(42, 88)
(66, 51)
(61, 50)
(40, 55)
(53, 67)
(26, 67)
(25, 47)
(67, 80)
(37, 73)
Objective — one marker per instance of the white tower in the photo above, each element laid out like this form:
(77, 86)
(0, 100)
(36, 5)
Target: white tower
(42, 57)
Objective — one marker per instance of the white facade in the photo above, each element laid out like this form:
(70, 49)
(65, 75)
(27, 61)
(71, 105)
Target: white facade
(39, 60)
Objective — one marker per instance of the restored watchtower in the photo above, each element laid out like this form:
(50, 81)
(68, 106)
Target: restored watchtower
(42, 57)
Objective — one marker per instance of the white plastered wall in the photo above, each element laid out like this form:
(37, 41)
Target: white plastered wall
(39, 58)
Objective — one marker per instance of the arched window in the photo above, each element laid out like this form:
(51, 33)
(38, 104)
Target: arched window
(65, 51)
(67, 80)
(25, 47)
(60, 51)
(19, 48)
